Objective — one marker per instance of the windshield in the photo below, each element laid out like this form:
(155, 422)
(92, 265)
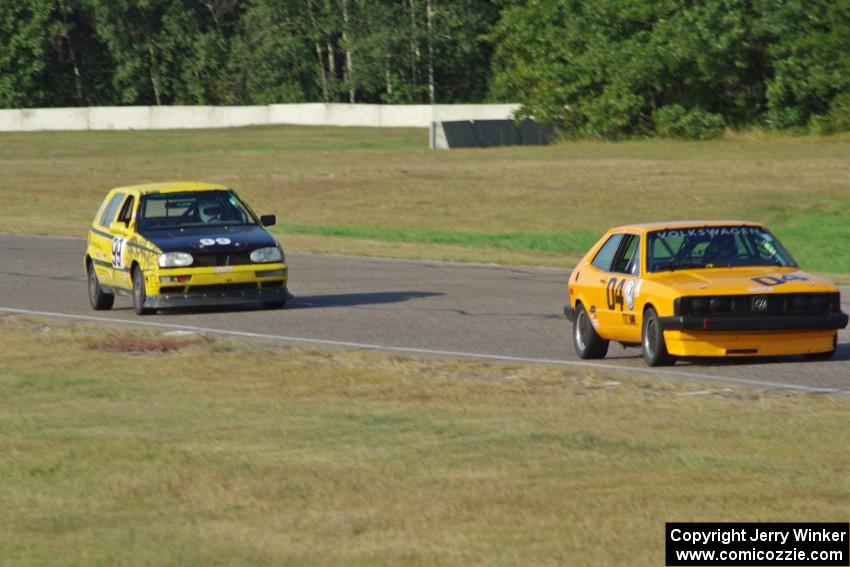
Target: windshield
(714, 247)
(192, 209)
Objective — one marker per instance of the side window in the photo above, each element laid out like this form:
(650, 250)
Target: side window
(628, 256)
(111, 209)
(127, 210)
(605, 257)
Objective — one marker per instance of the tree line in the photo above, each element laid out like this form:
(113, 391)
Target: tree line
(156, 52)
(689, 68)
(598, 68)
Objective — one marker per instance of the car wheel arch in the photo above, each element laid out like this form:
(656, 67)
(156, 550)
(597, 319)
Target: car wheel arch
(646, 307)
(134, 266)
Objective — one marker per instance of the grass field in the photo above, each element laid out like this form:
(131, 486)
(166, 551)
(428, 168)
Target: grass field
(139, 448)
(368, 191)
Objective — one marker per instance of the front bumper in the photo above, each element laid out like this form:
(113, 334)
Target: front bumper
(829, 322)
(218, 285)
(569, 313)
(217, 298)
(782, 343)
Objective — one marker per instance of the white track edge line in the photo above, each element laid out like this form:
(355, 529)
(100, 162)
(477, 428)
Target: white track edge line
(432, 352)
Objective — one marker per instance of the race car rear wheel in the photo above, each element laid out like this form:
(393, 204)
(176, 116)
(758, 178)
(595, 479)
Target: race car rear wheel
(99, 299)
(587, 342)
(139, 294)
(652, 341)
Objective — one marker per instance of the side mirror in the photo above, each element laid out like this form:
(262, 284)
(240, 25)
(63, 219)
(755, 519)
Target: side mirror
(268, 220)
(118, 227)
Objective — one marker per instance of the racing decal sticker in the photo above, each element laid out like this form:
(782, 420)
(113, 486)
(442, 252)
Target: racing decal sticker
(779, 280)
(118, 248)
(617, 293)
(630, 295)
(223, 241)
(709, 231)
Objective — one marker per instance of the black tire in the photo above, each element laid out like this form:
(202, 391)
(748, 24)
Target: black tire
(824, 355)
(139, 294)
(98, 299)
(587, 343)
(652, 341)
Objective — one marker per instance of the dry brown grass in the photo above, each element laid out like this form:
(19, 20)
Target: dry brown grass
(225, 453)
(53, 183)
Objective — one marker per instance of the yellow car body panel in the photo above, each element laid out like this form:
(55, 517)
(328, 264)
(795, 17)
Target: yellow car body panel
(115, 249)
(617, 299)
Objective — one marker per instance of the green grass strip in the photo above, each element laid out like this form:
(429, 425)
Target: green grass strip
(567, 242)
(813, 239)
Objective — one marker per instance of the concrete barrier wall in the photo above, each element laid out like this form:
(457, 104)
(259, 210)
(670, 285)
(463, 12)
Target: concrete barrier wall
(306, 114)
(119, 118)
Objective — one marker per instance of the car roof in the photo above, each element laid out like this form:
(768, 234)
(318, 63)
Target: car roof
(651, 226)
(171, 187)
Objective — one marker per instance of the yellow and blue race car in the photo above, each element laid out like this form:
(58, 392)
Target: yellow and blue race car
(699, 289)
(182, 245)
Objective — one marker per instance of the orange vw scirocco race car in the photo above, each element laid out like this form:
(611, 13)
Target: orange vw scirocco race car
(700, 289)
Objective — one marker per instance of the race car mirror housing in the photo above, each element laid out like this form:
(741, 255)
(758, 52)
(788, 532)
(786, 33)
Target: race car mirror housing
(268, 220)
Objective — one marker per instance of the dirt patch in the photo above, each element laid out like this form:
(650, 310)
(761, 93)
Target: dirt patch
(138, 345)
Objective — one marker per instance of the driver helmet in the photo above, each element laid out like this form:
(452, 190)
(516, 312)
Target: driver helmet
(209, 210)
(722, 247)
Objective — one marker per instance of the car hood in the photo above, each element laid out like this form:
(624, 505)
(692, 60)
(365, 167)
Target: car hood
(732, 281)
(211, 239)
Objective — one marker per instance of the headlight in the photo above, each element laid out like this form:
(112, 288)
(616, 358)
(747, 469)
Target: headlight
(175, 260)
(266, 255)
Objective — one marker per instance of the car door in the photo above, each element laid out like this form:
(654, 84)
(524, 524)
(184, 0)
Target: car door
(621, 288)
(101, 238)
(121, 230)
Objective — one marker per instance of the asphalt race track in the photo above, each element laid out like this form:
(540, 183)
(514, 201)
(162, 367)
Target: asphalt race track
(406, 307)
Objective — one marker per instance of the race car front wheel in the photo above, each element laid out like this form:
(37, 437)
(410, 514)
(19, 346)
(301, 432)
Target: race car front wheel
(139, 294)
(99, 299)
(587, 342)
(652, 341)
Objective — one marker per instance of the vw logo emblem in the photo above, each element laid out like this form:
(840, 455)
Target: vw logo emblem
(760, 303)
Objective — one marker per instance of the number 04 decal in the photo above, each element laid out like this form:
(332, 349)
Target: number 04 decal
(118, 252)
(614, 295)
